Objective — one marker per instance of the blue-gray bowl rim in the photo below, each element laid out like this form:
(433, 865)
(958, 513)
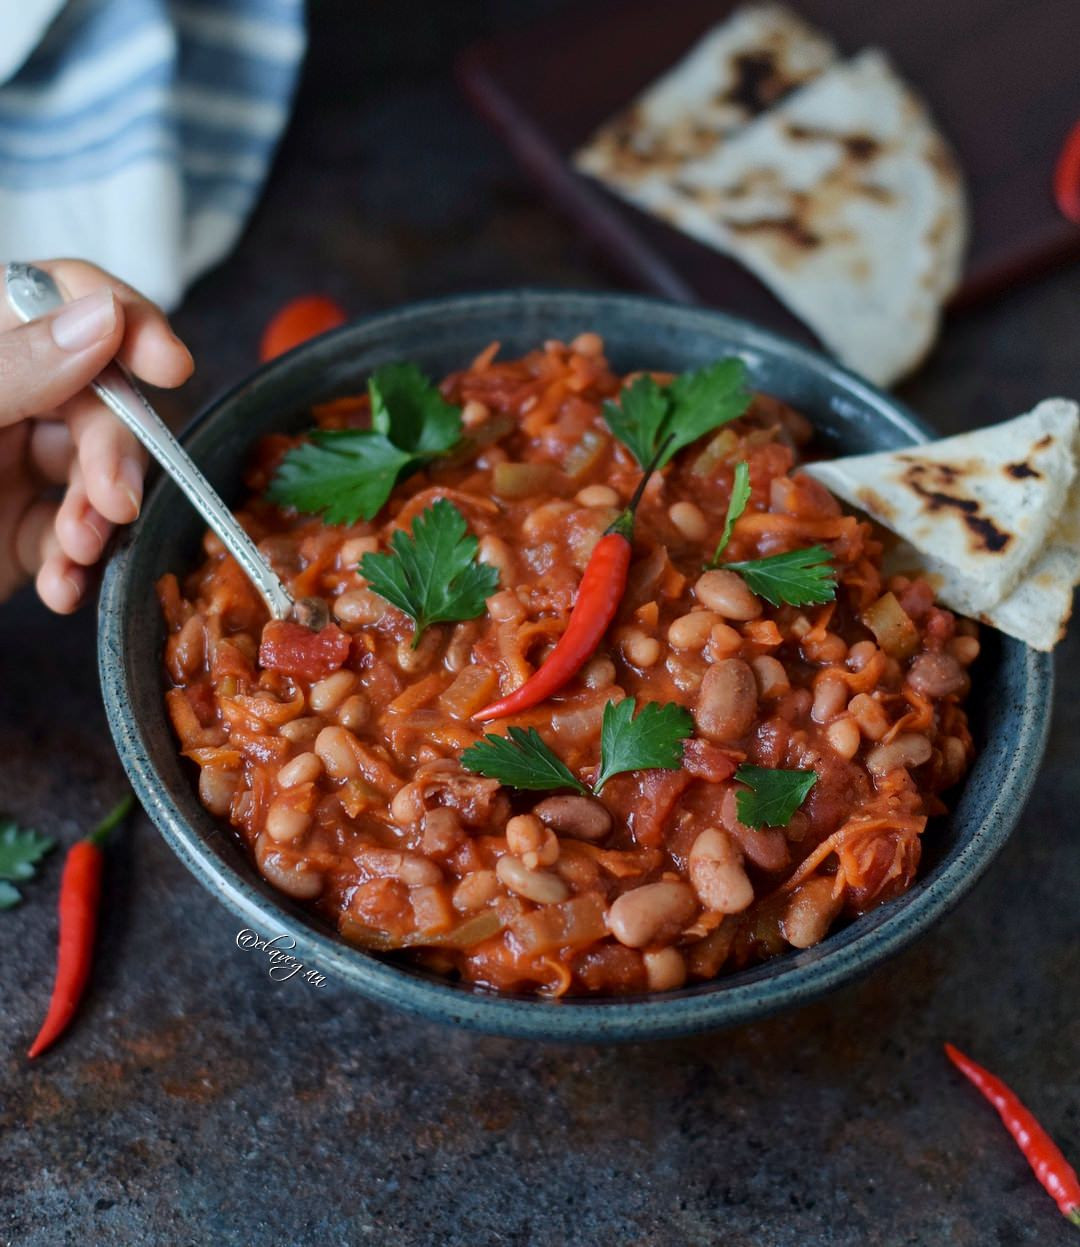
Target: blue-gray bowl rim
(780, 983)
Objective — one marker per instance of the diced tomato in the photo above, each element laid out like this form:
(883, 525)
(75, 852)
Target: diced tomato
(644, 801)
(297, 321)
(704, 760)
(297, 651)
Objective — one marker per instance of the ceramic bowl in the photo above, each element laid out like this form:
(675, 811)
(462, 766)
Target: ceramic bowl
(1012, 684)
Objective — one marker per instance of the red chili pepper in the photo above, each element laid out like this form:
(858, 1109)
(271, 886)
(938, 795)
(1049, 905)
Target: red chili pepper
(1067, 177)
(297, 321)
(603, 584)
(1041, 1152)
(80, 891)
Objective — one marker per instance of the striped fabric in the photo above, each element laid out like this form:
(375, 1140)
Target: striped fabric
(137, 133)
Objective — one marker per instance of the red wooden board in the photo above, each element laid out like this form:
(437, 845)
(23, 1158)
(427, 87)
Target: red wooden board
(1001, 76)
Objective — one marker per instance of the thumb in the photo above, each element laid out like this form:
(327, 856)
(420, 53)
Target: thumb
(48, 361)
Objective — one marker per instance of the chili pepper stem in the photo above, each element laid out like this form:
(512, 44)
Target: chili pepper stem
(623, 523)
(112, 820)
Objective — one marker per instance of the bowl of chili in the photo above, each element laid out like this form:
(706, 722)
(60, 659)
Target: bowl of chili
(1011, 684)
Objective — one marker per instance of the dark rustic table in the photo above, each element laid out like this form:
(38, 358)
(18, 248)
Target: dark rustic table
(198, 1102)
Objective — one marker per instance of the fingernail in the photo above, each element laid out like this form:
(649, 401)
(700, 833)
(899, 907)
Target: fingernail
(129, 478)
(85, 321)
(76, 588)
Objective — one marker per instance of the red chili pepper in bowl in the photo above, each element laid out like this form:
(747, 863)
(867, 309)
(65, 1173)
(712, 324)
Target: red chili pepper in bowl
(1067, 177)
(602, 586)
(80, 894)
(1039, 1149)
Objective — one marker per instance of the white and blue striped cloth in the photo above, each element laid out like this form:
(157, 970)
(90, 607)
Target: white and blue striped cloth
(138, 133)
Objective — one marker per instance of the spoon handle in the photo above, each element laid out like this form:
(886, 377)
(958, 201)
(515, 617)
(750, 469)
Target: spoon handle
(32, 293)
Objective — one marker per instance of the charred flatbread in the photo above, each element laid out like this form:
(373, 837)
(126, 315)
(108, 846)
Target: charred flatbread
(845, 200)
(733, 73)
(986, 512)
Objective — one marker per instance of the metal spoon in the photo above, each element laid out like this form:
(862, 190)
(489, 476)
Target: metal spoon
(32, 292)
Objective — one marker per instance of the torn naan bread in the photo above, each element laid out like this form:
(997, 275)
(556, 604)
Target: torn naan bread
(845, 201)
(980, 508)
(734, 72)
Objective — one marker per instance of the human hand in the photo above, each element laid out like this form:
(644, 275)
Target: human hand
(54, 431)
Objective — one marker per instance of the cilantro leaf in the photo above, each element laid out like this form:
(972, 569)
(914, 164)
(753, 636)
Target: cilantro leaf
(433, 575)
(692, 405)
(520, 760)
(799, 578)
(20, 850)
(411, 412)
(346, 475)
(774, 795)
(653, 739)
(740, 496)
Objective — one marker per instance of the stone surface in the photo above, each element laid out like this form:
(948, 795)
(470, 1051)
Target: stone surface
(199, 1102)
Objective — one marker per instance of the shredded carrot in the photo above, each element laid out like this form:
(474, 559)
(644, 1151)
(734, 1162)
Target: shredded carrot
(484, 360)
(821, 624)
(763, 632)
(416, 695)
(920, 718)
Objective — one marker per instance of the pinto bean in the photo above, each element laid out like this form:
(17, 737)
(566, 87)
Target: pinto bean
(907, 749)
(304, 768)
(359, 606)
(597, 496)
(809, 913)
(692, 631)
(334, 746)
(772, 677)
(581, 818)
(529, 839)
(294, 878)
(327, 694)
(665, 969)
(868, 713)
(285, 821)
(727, 700)
(651, 913)
(690, 520)
(937, 674)
(476, 890)
(217, 787)
(540, 886)
(965, 649)
(639, 649)
(716, 871)
(844, 737)
(830, 697)
(727, 593)
(598, 672)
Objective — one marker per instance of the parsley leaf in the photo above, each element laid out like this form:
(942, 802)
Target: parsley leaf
(409, 410)
(19, 853)
(520, 760)
(346, 475)
(799, 578)
(775, 795)
(692, 405)
(433, 575)
(740, 496)
(343, 475)
(653, 739)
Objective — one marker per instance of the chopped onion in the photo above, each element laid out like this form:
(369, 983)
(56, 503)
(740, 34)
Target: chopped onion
(892, 626)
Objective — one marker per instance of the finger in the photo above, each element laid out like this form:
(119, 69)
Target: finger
(111, 460)
(81, 530)
(60, 584)
(150, 348)
(46, 362)
(33, 531)
(51, 450)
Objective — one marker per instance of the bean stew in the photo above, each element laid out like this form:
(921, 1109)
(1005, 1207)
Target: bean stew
(796, 742)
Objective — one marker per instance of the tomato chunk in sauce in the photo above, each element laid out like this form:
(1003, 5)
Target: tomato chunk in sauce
(335, 755)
